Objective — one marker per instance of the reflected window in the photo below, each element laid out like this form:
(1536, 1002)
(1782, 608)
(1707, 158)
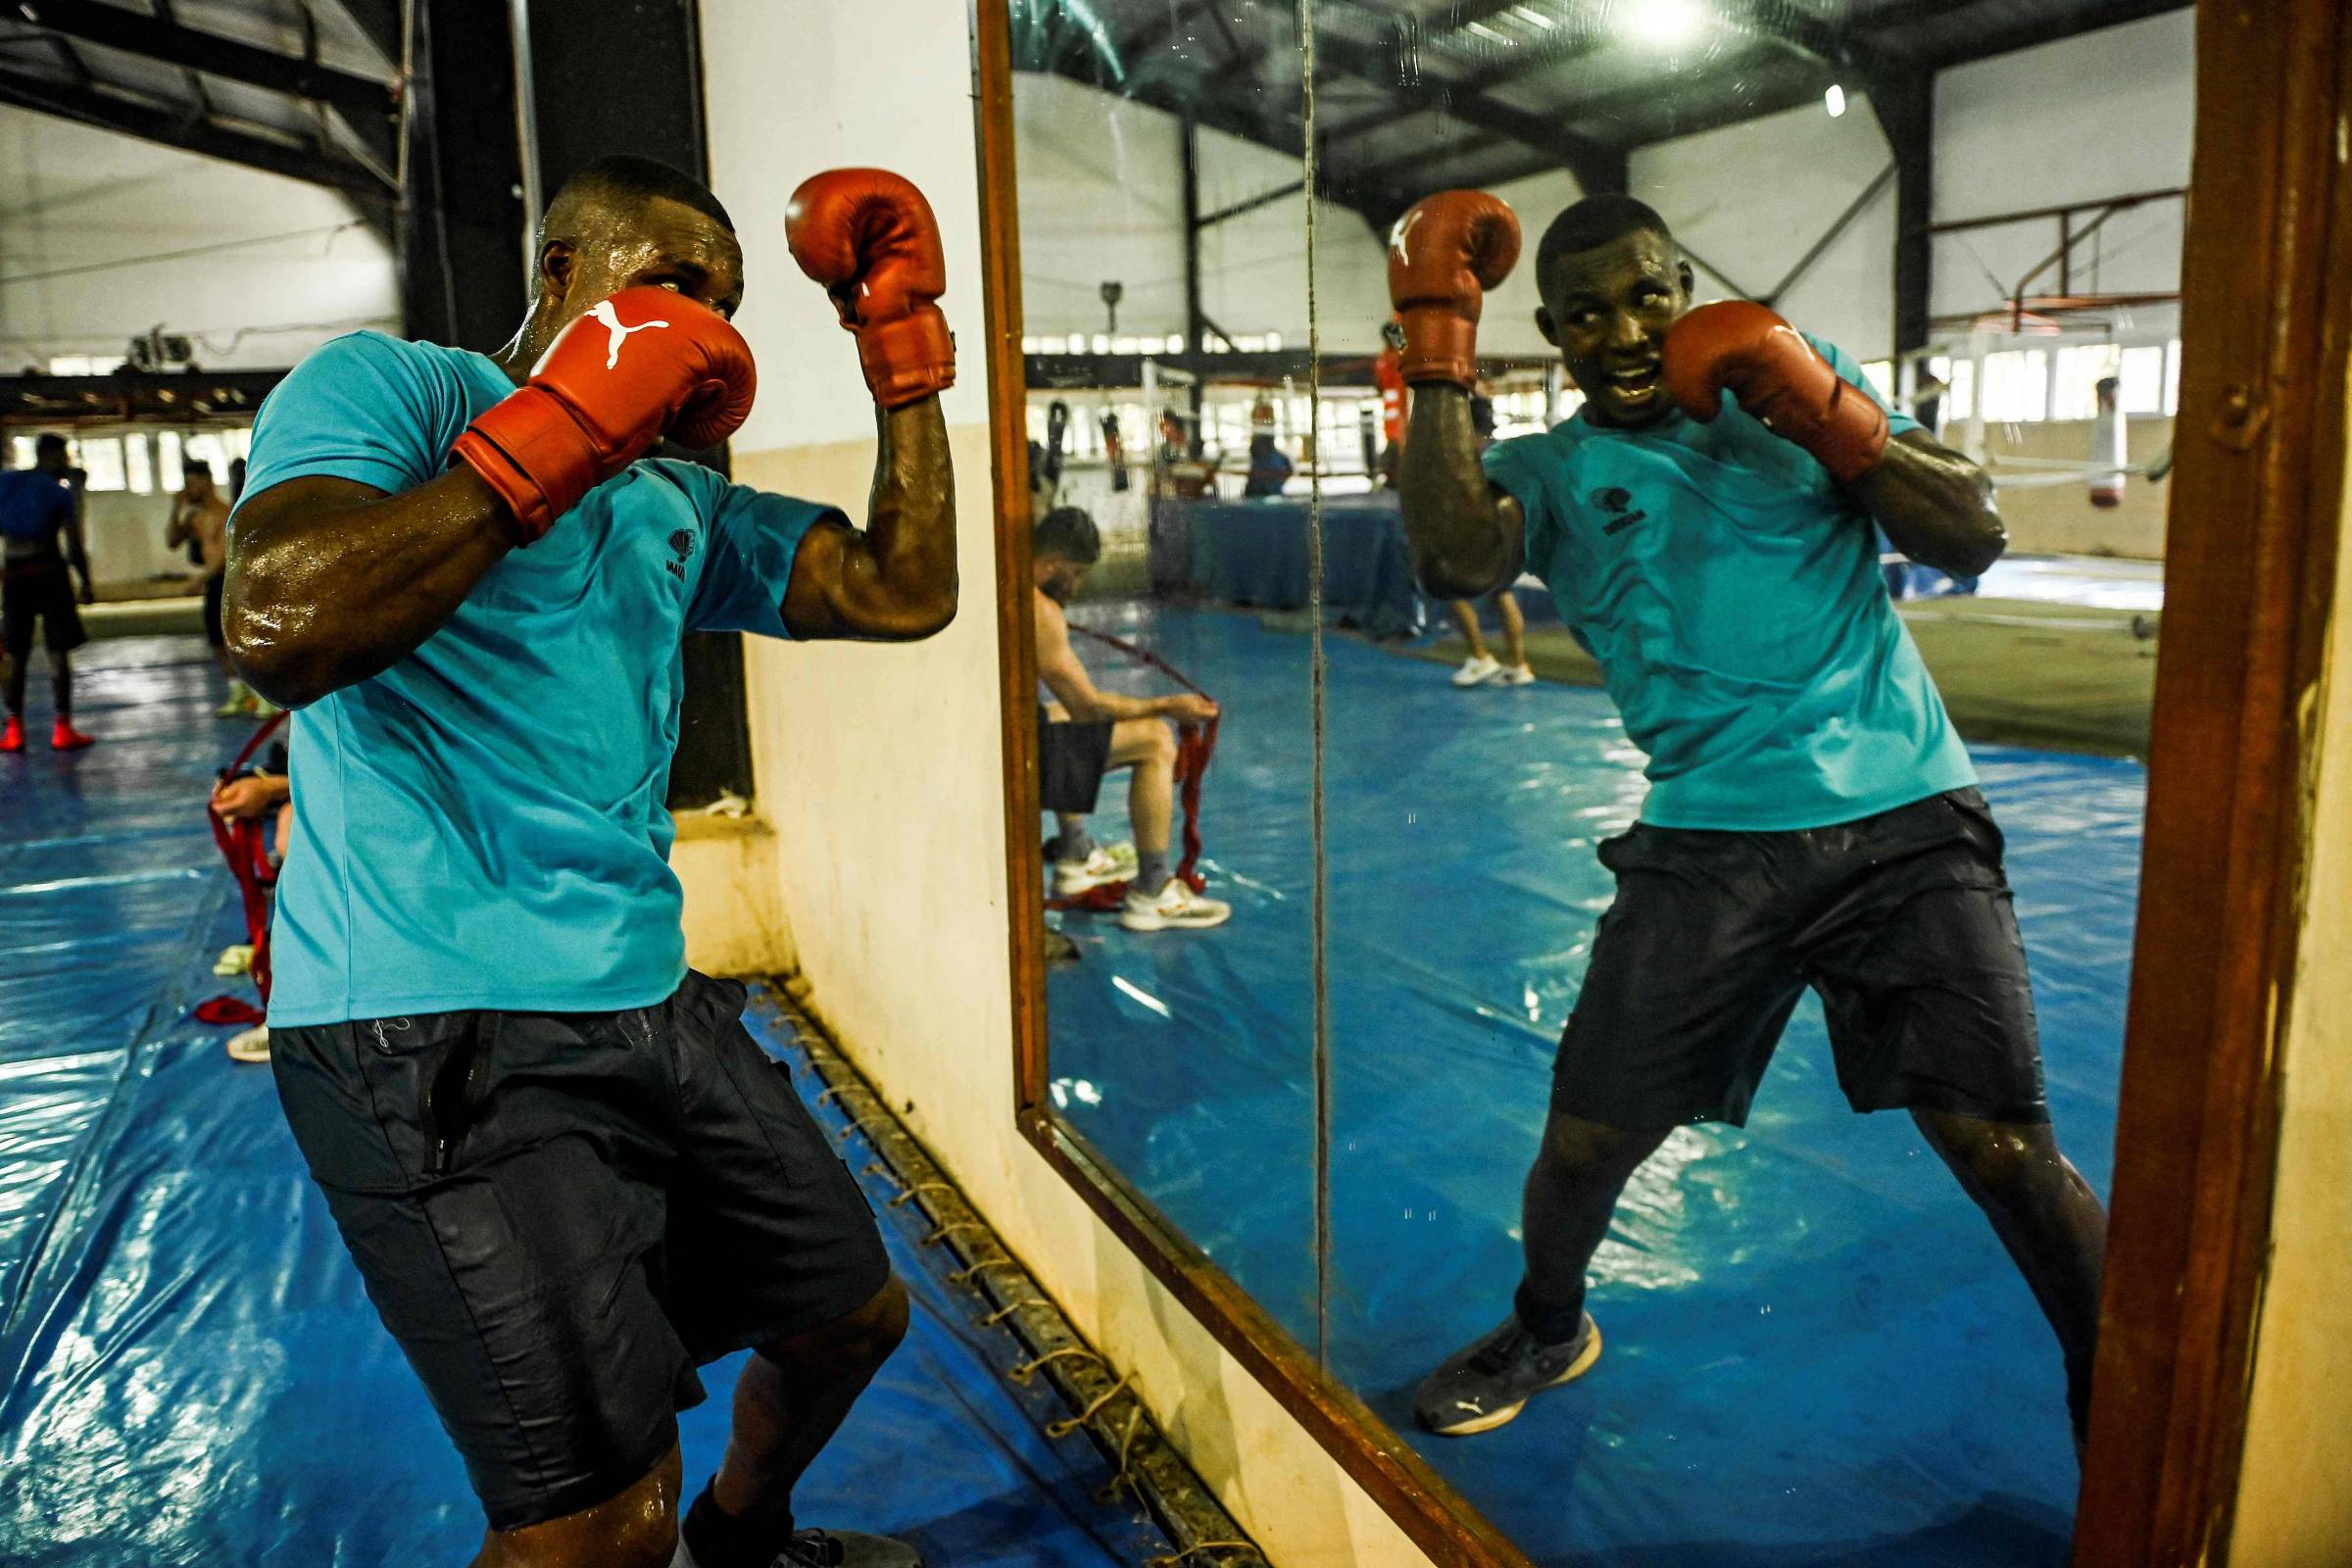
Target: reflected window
(138, 469)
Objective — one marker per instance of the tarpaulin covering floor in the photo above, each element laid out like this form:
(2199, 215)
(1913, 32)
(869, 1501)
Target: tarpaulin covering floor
(1816, 1350)
(189, 1372)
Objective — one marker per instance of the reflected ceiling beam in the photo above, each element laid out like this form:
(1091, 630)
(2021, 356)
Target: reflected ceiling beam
(1595, 165)
(169, 43)
(170, 125)
(1249, 118)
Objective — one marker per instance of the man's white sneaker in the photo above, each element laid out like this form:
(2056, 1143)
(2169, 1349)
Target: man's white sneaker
(1073, 877)
(1175, 908)
(1476, 670)
(1515, 675)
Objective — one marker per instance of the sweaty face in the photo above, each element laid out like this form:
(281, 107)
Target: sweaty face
(663, 243)
(1607, 311)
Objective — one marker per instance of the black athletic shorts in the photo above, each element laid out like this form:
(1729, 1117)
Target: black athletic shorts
(561, 1215)
(1901, 922)
(212, 610)
(1071, 759)
(38, 592)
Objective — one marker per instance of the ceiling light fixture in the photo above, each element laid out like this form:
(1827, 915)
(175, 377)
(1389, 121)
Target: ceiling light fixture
(1662, 23)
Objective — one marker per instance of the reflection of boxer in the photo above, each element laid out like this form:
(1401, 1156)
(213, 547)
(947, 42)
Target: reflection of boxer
(40, 542)
(1104, 732)
(1704, 525)
(566, 1173)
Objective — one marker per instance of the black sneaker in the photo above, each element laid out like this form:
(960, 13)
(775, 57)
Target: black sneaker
(847, 1549)
(1490, 1382)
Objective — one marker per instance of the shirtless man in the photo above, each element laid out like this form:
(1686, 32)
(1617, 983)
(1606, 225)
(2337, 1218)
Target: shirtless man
(1103, 732)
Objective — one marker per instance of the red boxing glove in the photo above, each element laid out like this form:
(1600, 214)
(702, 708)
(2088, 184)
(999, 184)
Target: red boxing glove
(1444, 255)
(643, 363)
(869, 236)
(1776, 375)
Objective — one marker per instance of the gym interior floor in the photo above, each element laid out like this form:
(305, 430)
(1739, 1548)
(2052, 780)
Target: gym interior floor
(189, 1372)
(1816, 1350)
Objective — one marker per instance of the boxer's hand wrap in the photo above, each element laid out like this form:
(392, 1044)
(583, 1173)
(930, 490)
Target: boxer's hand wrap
(869, 236)
(1775, 375)
(1444, 255)
(643, 363)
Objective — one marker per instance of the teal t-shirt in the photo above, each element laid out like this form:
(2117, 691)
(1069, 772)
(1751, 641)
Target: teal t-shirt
(1731, 592)
(482, 824)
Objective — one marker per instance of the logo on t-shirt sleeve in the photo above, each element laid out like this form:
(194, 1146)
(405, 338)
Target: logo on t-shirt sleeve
(681, 545)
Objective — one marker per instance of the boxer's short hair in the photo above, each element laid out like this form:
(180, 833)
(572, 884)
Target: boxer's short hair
(625, 180)
(1594, 223)
(1070, 535)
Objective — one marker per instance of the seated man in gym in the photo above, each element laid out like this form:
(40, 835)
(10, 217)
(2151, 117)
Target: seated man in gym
(1705, 524)
(41, 539)
(566, 1173)
(1102, 732)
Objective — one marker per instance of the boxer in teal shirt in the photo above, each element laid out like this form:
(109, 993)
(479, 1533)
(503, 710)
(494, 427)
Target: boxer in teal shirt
(566, 1172)
(1706, 526)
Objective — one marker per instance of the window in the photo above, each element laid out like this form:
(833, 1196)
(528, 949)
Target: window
(2143, 375)
(2172, 378)
(134, 462)
(1880, 374)
(167, 473)
(102, 456)
(74, 365)
(208, 448)
(2081, 369)
(1961, 400)
(2017, 386)
(19, 451)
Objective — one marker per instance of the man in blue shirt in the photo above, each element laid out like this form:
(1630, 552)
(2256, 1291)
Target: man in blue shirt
(1705, 524)
(566, 1172)
(41, 537)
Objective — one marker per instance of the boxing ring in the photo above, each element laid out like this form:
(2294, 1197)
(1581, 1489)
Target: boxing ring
(189, 1372)
(1817, 1352)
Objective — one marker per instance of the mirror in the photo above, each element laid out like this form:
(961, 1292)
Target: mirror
(1163, 295)
(1757, 758)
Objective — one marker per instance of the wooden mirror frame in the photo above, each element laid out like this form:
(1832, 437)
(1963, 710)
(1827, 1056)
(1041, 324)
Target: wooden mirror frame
(2255, 512)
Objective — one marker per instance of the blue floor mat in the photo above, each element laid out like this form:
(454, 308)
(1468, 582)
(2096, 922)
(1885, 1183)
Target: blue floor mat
(1817, 1352)
(189, 1372)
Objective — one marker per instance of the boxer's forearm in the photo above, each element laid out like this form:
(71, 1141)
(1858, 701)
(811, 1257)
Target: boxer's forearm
(1461, 544)
(330, 581)
(896, 580)
(1935, 505)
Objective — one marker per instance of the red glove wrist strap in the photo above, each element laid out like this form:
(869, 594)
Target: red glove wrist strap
(1439, 346)
(909, 358)
(530, 450)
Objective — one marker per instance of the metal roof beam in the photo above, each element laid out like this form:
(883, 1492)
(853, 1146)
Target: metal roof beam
(153, 39)
(171, 126)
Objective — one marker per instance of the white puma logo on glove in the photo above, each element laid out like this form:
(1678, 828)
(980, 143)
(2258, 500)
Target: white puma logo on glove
(618, 334)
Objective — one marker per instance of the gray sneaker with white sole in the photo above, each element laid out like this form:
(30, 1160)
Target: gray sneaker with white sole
(1489, 1381)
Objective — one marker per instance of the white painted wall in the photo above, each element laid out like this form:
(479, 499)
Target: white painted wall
(76, 201)
(880, 769)
(2102, 115)
(1101, 197)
